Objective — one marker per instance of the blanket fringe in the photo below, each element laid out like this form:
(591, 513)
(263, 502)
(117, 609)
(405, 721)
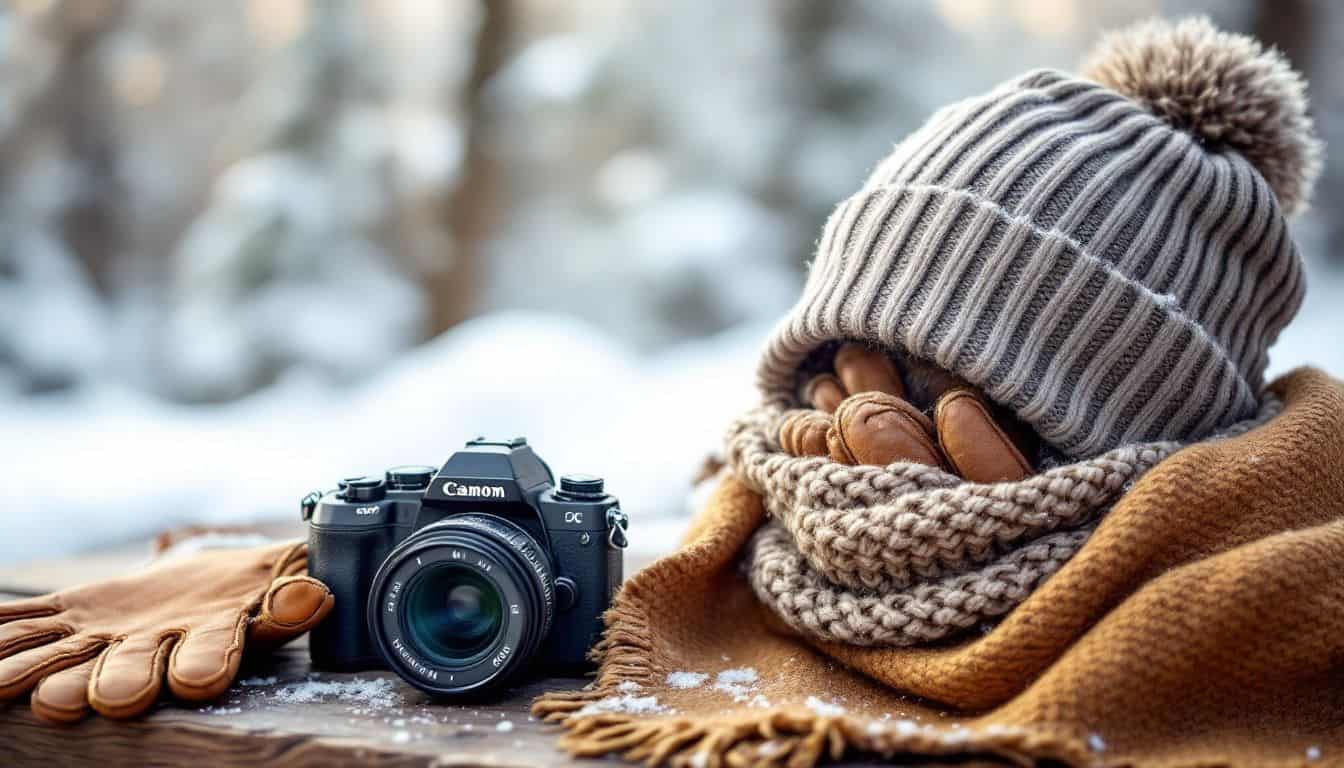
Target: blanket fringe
(791, 737)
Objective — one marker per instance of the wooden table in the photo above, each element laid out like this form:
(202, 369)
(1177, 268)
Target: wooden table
(267, 717)
(282, 712)
(260, 723)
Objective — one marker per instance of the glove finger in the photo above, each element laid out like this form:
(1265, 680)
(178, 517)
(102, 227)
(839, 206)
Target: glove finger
(867, 370)
(974, 443)
(880, 429)
(63, 697)
(20, 672)
(292, 606)
(823, 392)
(23, 634)
(129, 675)
(28, 608)
(803, 433)
(206, 659)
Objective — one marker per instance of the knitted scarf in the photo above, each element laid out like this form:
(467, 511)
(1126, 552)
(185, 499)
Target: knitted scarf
(1202, 624)
(907, 553)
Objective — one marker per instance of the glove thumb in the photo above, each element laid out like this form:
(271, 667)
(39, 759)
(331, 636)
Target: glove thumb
(293, 605)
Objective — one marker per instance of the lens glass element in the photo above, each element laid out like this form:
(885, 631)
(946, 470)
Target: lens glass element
(453, 614)
(462, 604)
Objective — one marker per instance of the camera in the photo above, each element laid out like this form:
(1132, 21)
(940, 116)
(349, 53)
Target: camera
(458, 578)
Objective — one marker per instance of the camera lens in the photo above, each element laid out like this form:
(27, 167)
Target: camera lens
(460, 605)
(453, 613)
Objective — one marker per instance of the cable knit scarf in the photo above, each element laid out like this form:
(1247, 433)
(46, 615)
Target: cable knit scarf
(907, 554)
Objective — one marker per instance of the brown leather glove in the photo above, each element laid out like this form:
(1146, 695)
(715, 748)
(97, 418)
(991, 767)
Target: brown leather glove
(874, 420)
(878, 428)
(975, 444)
(824, 392)
(804, 434)
(108, 645)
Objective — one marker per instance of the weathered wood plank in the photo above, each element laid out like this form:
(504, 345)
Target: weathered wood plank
(270, 720)
(283, 713)
(289, 714)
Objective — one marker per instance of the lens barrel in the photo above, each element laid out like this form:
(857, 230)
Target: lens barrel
(462, 604)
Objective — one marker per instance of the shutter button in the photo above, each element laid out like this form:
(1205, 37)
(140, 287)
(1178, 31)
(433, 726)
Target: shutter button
(584, 487)
(410, 478)
(365, 489)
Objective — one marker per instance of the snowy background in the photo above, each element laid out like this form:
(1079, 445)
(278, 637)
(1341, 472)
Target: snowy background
(247, 248)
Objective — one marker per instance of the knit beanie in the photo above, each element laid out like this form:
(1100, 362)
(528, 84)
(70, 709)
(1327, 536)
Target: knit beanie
(1105, 255)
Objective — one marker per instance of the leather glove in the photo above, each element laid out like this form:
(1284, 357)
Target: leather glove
(874, 421)
(803, 433)
(111, 644)
(878, 428)
(976, 446)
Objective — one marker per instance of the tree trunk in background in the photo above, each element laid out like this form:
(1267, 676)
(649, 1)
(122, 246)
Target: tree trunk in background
(80, 113)
(473, 206)
(1303, 31)
(806, 26)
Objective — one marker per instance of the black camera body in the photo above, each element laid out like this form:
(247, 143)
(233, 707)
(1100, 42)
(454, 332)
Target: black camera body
(457, 579)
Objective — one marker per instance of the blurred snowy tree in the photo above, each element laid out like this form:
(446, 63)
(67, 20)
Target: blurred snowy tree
(229, 189)
(1309, 34)
(197, 198)
(669, 166)
(60, 207)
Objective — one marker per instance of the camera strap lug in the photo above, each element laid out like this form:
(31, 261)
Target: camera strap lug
(617, 523)
(308, 504)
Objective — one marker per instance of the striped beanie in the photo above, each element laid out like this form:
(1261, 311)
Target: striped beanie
(1105, 255)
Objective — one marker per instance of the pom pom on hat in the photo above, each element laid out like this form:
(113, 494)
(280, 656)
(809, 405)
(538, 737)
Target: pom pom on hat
(1225, 89)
